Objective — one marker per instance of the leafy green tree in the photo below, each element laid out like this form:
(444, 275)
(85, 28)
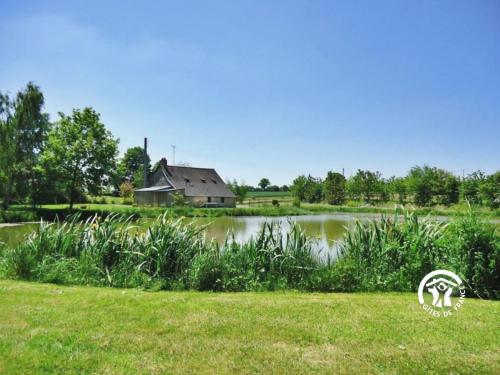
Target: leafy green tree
(334, 188)
(449, 190)
(433, 185)
(365, 184)
(131, 162)
(399, 187)
(240, 190)
(264, 183)
(307, 189)
(314, 190)
(23, 133)
(138, 178)
(470, 187)
(298, 188)
(82, 152)
(490, 190)
(420, 183)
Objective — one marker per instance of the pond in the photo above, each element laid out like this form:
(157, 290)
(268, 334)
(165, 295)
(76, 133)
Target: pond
(328, 229)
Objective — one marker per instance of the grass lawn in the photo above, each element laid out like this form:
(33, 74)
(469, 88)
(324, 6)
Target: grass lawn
(82, 330)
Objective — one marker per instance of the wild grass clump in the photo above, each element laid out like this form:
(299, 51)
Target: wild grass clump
(169, 255)
(270, 260)
(394, 253)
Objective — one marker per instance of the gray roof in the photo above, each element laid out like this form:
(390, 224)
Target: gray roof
(197, 182)
(157, 188)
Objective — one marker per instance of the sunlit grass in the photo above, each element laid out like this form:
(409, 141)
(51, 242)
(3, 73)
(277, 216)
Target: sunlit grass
(82, 330)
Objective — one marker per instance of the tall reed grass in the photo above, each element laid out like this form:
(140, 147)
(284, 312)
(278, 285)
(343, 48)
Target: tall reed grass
(390, 254)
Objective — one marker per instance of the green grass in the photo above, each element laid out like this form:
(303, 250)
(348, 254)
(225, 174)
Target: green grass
(82, 330)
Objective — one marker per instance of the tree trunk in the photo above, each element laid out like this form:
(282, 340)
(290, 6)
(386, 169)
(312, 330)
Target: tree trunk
(8, 193)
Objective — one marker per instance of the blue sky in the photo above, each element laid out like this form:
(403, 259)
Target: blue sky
(272, 88)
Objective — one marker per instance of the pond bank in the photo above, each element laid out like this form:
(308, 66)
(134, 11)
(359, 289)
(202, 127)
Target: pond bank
(52, 212)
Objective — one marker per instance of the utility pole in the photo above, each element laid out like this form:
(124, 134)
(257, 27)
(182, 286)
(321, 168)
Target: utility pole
(173, 152)
(145, 161)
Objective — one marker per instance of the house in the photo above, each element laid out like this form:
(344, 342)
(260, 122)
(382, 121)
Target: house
(200, 187)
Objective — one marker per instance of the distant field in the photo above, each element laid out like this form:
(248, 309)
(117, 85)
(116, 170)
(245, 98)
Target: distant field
(80, 330)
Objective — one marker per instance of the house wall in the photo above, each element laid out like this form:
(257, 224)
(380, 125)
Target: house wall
(158, 178)
(151, 198)
(200, 201)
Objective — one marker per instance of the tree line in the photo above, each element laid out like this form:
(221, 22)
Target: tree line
(423, 186)
(60, 161)
(43, 161)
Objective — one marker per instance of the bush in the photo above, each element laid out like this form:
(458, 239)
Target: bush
(178, 200)
(206, 272)
(474, 252)
(126, 192)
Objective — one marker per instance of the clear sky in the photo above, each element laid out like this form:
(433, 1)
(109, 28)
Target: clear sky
(272, 88)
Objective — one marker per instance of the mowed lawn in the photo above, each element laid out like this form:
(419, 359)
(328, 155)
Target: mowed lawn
(82, 330)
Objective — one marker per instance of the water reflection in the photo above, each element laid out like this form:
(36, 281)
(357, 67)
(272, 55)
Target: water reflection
(327, 229)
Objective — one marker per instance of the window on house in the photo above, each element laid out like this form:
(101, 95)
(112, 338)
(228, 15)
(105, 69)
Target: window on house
(203, 180)
(214, 180)
(222, 200)
(209, 199)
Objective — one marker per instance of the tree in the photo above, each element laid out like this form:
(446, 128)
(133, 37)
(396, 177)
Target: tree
(131, 162)
(398, 186)
(420, 183)
(450, 188)
(82, 152)
(490, 190)
(23, 133)
(264, 183)
(298, 188)
(365, 184)
(334, 188)
(471, 185)
(313, 190)
(433, 185)
(240, 190)
(308, 189)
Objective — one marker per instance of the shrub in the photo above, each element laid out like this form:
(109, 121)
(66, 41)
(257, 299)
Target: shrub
(474, 252)
(126, 192)
(178, 199)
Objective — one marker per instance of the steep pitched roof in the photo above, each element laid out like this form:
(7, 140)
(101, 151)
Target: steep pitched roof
(197, 182)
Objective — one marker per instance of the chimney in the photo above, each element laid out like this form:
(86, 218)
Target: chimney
(163, 163)
(145, 161)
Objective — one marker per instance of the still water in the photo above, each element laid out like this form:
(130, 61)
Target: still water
(328, 229)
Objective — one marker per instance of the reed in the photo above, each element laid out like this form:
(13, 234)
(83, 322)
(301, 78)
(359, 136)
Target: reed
(390, 254)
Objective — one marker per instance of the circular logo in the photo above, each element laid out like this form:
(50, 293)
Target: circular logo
(441, 293)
